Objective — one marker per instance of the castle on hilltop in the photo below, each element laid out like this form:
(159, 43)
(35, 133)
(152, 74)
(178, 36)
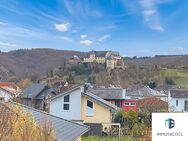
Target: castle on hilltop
(111, 59)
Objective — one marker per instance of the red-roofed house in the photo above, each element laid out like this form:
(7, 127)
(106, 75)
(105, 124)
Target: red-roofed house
(152, 104)
(8, 90)
(11, 87)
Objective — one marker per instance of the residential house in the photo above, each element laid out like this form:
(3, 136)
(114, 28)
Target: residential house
(11, 87)
(130, 104)
(152, 104)
(178, 100)
(36, 96)
(134, 96)
(78, 104)
(8, 90)
(112, 95)
(64, 130)
(145, 92)
(56, 83)
(165, 88)
(127, 99)
(116, 96)
(5, 95)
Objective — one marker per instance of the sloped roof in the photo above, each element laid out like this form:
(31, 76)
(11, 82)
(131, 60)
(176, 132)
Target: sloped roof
(64, 93)
(10, 87)
(34, 90)
(8, 84)
(179, 93)
(145, 92)
(152, 102)
(97, 53)
(115, 53)
(7, 91)
(100, 53)
(100, 101)
(108, 93)
(89, 95)
(165, 88)
(65, 130)
(45, 93)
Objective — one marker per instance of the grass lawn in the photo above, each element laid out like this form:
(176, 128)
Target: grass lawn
(181, 76)
(93, 138)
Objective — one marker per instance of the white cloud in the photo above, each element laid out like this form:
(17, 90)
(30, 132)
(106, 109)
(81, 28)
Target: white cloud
(2, 23)
(83, 36)
(86, 42)
(151, 15)
(149, 11)
(63, 27)
(104, 37)
(81, 9)
(65, 38)
(157, 27)
(6, 44)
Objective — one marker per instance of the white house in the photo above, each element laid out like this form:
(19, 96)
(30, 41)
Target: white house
(5, 95)
(78, 104)
(178, 100)
(67, 106)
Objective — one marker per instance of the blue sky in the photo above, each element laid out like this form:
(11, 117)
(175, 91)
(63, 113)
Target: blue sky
(132, 27)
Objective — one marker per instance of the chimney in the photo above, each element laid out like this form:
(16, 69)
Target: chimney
(82, 89)
(124, 94)
(85, 88)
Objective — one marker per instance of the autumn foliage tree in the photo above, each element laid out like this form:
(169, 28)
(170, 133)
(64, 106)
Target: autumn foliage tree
(16, 124)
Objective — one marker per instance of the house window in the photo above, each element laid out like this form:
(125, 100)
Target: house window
(66, 104)
(133, 104)
(186, 103)
(65, 107)
(176, 103)
(126, 103)
(66, 98)
(89, 108)
(130, 104)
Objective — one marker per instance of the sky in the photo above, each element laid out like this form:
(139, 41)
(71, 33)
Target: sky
(132, 27)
